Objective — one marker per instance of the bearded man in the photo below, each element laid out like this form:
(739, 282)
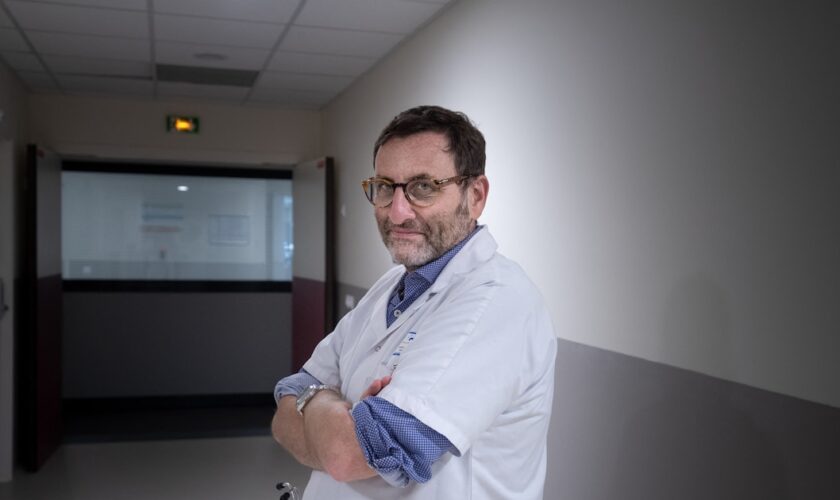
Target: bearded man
(439, 383)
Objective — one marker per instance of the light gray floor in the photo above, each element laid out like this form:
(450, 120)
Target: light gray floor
(242, 468)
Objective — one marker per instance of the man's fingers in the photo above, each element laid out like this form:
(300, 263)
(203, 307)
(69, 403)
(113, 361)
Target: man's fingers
(376, 386)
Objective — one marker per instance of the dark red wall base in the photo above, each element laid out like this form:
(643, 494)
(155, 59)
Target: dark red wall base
(308, 318)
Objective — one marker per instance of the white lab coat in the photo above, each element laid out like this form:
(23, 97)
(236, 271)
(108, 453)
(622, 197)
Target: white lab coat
(480, 371)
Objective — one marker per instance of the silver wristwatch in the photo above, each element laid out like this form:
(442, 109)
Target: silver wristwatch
(310, 392)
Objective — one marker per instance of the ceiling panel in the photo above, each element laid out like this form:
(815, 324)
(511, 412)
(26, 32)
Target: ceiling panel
(127, 86)
(234, 57)
(312, 100)
(300, 53)
(37, 80)
(273, 11)
(87, 66)
(296, 81)
(217, 31)
(5, 21)
(82, 20)
(391, 16)
(91, 46)
(22, 61)
(111, 4)
(10, 39)
(338, 42)
(321, 64)
(194, 91)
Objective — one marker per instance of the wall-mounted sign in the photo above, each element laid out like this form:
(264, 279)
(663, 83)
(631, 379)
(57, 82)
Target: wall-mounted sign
(182, 124)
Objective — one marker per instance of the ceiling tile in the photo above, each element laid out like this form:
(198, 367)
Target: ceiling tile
(338, 42)
(88, 66)
(10, 39)
(103, 85)
(272, 11)
(37, 80)
(91, 46)
(389, 16)
(217, 31)
(295, 81)
(22, 61)
(5, 22)
(194, 91)
(308, 100)
(235, 57)
(82, 20)
(110, 4)
(321, 64)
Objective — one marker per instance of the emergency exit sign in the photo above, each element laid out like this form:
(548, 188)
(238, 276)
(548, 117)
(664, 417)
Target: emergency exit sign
(182, 124)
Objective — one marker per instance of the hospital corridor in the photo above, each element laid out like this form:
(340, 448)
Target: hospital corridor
(552, 249)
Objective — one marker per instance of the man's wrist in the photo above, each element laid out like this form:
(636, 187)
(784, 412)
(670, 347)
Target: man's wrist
(310, 393)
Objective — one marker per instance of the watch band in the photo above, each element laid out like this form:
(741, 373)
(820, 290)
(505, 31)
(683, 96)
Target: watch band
(310, 392)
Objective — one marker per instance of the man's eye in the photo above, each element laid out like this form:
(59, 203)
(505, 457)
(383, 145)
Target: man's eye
(422, 188)
(383, 188)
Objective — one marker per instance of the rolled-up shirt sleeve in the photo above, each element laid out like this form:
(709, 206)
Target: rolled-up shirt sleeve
(397, 445)
(294, 384)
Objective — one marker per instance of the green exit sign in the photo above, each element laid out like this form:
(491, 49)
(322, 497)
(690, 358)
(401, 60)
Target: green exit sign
(182, 124)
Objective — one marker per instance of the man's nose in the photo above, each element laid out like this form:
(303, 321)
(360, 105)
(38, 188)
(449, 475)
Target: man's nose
(400, 209)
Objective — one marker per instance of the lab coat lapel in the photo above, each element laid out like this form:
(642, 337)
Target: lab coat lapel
(379, 328)
(479, 249)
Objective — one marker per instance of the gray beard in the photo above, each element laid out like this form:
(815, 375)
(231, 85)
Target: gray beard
(439, 235)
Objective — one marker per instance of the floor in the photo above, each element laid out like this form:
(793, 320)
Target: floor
(162, 461)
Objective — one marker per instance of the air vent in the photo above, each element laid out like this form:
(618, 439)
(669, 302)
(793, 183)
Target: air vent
(206, 76)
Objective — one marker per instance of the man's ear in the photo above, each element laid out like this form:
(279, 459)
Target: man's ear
(477, 192)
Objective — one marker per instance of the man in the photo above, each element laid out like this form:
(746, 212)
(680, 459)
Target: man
(438, 385)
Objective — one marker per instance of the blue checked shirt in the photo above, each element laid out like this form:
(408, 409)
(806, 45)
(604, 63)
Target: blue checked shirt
(397, 445)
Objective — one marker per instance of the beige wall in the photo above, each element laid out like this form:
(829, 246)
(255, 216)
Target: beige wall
(135, 129)
(12, 140)
(666, 172)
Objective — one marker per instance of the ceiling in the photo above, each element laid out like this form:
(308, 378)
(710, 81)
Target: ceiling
(288, 53)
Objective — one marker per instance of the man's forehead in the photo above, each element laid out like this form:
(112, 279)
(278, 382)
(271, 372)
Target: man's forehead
(416, 155)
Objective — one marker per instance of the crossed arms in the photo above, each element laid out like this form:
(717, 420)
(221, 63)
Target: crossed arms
(324, 438)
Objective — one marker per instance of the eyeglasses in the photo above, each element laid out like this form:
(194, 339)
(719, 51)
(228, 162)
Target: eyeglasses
(419, 192)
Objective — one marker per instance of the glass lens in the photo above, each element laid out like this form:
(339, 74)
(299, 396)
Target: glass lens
(422, 191)
(383, 192)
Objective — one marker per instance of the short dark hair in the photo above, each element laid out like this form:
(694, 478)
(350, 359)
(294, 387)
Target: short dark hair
(466, 143)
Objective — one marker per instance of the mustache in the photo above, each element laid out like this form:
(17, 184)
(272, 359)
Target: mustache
(409, 225)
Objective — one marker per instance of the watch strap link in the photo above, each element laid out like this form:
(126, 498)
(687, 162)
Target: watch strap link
(310, 392)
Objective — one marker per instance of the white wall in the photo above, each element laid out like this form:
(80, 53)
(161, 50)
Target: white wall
(666, 171)
(12, 139)
(136, 129)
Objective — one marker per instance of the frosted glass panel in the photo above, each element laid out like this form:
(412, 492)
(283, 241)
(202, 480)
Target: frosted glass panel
(163, 227)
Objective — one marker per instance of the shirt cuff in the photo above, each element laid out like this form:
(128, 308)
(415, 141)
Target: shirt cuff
(294, 385)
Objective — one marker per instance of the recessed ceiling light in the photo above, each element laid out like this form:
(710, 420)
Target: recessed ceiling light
(183, 188)
(210, 56)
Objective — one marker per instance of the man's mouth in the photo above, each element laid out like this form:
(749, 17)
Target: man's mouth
(405, 233)
(399, 232)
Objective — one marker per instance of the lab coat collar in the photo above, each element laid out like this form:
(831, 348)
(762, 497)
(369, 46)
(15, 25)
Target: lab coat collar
(481, 248)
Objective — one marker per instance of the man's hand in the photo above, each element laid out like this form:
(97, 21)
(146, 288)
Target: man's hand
(376, 386)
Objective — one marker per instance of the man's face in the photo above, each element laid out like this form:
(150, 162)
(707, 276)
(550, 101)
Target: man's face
(416, 235)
